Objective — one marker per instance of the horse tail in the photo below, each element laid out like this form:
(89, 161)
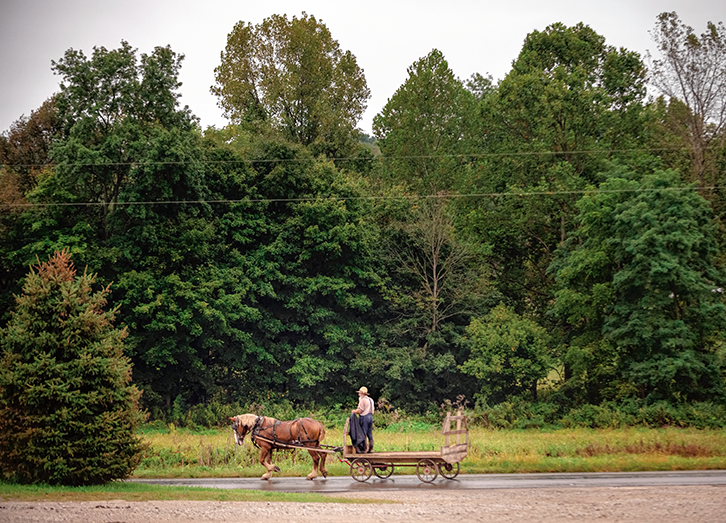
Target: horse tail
(321, 436)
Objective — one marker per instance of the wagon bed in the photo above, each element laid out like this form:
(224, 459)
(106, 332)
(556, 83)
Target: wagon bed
(428, 463)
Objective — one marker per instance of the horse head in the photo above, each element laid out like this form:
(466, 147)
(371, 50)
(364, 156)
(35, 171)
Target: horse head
(241, 425)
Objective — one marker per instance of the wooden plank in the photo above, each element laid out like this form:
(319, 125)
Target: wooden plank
(452, 432)
(454, 453)
(410, 457)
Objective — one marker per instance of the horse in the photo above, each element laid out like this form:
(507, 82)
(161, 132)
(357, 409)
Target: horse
(269, 434)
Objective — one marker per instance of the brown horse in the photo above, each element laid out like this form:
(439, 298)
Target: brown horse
(269, 434)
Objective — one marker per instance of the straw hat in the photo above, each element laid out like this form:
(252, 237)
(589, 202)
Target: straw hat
(363, 390)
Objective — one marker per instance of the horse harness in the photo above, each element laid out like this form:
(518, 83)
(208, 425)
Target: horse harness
(258, 427)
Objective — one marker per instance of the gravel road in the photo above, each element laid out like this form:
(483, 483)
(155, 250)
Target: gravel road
(641, 504)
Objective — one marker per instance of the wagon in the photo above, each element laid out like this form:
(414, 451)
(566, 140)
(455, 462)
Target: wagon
(428, 463)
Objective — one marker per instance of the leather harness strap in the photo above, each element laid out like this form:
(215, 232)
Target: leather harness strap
(255, 434)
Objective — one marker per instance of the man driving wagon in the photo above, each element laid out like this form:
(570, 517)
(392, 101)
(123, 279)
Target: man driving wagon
(365, 409)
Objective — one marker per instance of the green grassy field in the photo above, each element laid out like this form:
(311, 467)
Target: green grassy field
(177, 453)
(212, 453)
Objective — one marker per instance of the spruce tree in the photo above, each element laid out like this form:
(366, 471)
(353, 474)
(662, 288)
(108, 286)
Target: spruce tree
(68, 410)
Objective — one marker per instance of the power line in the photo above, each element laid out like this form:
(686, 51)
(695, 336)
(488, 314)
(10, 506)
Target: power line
(354, 198)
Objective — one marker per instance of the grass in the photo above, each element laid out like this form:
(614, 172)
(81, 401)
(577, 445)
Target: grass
(179, 453)
(143, 492)
(596, 450)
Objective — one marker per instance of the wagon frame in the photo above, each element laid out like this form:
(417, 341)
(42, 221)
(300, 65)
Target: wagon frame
(428, 463)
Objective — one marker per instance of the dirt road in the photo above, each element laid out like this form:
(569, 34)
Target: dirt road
(641, 504)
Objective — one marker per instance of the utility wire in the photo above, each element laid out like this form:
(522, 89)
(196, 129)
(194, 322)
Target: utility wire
(333, 198)
(354, 198)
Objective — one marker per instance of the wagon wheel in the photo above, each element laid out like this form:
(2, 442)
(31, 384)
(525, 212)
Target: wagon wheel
(426, 470)
(360, 469)
(384, 471)
(449, 470)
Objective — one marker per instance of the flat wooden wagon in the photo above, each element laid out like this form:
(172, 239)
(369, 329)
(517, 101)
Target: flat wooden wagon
(428, 463)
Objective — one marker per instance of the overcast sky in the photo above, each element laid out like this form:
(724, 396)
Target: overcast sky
(386, 37)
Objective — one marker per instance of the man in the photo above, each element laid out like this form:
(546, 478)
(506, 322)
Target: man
(365, 411)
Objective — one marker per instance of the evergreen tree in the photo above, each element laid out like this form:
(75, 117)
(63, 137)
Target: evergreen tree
(67, 408)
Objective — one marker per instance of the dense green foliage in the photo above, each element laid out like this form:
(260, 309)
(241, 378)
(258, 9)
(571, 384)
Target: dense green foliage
(291, 77)
(641, 295)
(529, 244)
(68, 412)
(428, 128)
(509, 354)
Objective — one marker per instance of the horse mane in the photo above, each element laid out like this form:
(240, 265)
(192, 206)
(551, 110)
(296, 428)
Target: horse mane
(247, 420)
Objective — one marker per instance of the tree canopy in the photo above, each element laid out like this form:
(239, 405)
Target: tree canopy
(290, 76)
(640, 293)
(530, 243)
(692, 70)
(426, 127)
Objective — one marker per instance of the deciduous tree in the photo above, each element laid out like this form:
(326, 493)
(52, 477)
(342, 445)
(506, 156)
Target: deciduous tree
(692, 70)
(427, 127)
(640, 292)
(291, 76)
(509, 355)
(25, 147)
(569, 103)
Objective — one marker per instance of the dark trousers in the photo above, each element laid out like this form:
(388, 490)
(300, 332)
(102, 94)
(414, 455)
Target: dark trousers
(366, 423)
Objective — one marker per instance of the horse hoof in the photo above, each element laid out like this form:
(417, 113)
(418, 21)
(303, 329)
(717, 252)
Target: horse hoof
(277, 469)
(309, 478)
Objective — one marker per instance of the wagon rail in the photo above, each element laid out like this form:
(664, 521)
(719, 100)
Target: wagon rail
(429, 464)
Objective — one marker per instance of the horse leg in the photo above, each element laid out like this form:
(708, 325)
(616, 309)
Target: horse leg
(266, 461)
(316, 460)
(322, 468)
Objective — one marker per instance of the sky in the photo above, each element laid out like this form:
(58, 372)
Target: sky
(386, 37)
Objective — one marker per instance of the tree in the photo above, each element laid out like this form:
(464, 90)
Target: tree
(291, 76)
(692, 70)
(68, 411)
(569, 103)
(311, 262)
(448, 274)
(127, 157)
(509, 354)
(25, 147)
(24, 161)
(119, 117)
(640, 293)
(426, 127)
(432, 281)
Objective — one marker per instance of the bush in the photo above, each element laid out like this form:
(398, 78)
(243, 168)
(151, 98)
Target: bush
(660, 414)
(597, 417)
